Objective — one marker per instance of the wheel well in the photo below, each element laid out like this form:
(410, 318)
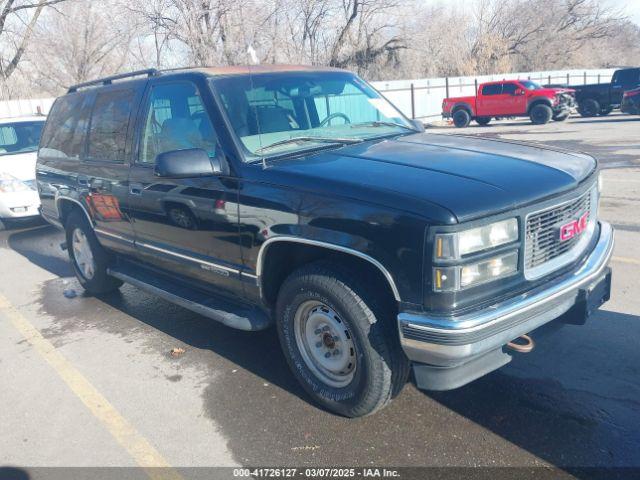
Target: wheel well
(283, 258)
(461, 106)
(540, 101)
(66, 206)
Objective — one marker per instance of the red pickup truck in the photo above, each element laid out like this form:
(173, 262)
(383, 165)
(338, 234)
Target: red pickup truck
(514, 98)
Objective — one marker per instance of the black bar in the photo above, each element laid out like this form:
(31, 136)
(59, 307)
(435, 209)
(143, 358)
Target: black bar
(150, 72)
(446, 82)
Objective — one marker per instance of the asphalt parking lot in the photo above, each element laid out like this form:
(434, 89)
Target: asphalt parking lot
(88, 381)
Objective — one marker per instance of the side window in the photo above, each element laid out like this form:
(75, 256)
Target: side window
(109, 125)
(66, 127)
(627, 77)
(509, 88)
(495, 89)
(176, 120)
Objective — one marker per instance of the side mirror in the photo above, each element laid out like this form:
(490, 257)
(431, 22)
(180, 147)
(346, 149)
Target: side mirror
(192, 162)
(418, 125)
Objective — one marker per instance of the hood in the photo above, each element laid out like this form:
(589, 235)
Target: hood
(470, 177)
(19, 165)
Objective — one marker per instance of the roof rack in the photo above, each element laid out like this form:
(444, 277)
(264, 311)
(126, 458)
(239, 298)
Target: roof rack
(149, 72)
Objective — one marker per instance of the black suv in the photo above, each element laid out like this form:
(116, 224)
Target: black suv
(300, 197)
(602, 98)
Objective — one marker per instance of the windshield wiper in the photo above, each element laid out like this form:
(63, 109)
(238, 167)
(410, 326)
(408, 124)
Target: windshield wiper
(378, 123)
(306, 139)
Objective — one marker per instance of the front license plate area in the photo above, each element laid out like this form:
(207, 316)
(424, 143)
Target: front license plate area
(589, 300)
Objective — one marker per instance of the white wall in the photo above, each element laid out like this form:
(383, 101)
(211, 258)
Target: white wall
(428, 92)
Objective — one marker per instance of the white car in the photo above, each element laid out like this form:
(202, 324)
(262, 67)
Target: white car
(19, 139)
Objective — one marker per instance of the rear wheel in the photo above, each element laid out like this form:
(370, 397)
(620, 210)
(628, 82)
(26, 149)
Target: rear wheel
(483, 120)
(589, 108)
(89, 260)
(540, 114)
(338, 336)
(461, 118)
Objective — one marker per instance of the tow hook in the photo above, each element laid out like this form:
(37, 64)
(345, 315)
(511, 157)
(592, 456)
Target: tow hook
(522, 344)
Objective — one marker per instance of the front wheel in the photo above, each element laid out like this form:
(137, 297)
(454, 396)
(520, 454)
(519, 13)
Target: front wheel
(541, 114)
(90, 261)
(338, 336)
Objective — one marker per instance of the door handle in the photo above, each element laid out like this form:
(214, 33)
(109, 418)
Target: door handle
(135, 188)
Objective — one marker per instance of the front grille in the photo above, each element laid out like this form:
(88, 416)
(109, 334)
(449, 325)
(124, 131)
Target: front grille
(542, 235)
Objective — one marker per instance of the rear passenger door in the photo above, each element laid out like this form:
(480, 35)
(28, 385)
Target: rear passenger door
(188, 226)
(104, 172)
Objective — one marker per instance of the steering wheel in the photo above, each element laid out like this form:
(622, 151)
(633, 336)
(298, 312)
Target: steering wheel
(346, 119)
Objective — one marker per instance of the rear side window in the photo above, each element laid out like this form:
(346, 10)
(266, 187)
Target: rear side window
(492, 89)
(110, 124)
(66, 127)
(628, 77)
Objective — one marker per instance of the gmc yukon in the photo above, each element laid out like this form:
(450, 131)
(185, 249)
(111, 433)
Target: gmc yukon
(299, 197)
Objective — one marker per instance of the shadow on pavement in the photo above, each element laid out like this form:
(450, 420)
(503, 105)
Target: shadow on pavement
(574, 401)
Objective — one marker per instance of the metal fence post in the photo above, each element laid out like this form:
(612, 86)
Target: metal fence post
(446, 85)
(568, 78)
(413, 102)
(475, 82)
(585, 77)
(598, 78)
(549, 78)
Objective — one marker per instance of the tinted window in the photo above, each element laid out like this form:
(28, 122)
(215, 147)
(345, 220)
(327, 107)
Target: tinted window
(627, 77)
(492, 89)
(109, 125)
(176, 120)
(20, 137)
(509, 88)
(66, 127)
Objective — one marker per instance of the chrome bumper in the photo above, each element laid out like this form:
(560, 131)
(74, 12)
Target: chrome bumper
(449, 342)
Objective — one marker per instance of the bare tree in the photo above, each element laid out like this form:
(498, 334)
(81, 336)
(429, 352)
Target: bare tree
(17, 22)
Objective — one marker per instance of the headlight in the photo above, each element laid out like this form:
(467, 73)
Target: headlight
(453, 246)
(10, 184)
(448, 279)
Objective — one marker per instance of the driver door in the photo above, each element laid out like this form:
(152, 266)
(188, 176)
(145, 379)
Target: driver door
(187, 226)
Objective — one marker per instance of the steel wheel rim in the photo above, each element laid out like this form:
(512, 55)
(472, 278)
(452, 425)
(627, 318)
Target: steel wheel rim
(82, 254)
(181, 218)
(325, 344)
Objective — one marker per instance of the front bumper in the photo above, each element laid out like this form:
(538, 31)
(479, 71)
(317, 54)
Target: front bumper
(444, 344)
(19, 204)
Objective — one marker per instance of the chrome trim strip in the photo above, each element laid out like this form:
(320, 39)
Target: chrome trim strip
(186, 257)
(591, 268)
(64, 197)
(284, 238)
(114, 235)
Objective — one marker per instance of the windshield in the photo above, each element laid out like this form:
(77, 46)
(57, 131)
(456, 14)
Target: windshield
(315, 109)
(19, 137)
(529, 85)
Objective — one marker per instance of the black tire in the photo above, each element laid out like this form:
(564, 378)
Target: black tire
(589, 107)
(561, 117)
(540, 114)
(182, 217)
(380, 368)
(483, 121)
(604, 111)
(100, 281)
(461, 118)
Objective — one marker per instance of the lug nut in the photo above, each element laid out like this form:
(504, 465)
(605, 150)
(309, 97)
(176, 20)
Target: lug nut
(318, 331)
(327, 355)
(318, 344)
(325, 328)
(336, 352)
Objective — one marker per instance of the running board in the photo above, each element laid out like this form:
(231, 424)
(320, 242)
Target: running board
(242, 317)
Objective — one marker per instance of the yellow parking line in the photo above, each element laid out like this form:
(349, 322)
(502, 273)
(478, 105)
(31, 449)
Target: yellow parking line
(124, 433)
(632, 261)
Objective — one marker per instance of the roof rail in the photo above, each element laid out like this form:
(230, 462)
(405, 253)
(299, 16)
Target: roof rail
(149, 72)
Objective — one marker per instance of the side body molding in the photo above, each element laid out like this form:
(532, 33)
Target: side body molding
(331, 246)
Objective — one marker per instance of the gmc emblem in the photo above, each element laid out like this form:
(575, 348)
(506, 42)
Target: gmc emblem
(574, 228)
